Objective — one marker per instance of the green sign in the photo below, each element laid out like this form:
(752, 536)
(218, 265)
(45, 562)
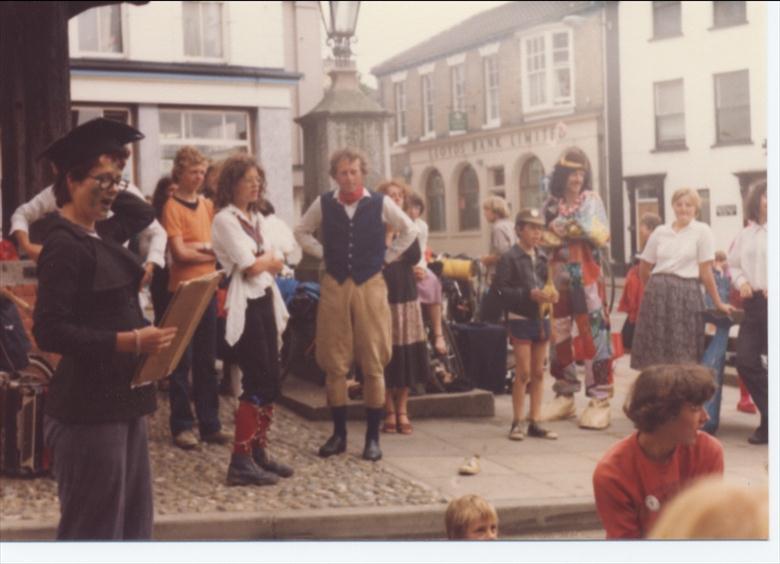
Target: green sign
(458, 121)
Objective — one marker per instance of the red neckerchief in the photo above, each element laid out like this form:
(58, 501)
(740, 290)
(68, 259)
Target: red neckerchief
(349, 198)
(250, 230)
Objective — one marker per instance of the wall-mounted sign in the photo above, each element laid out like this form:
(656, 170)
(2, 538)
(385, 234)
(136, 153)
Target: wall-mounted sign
(728, 209)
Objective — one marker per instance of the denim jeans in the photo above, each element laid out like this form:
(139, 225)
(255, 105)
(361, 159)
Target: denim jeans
(715, 359)
(199, 356)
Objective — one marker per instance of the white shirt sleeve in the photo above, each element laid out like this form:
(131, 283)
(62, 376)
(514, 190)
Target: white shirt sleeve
(28, 213)
(401, 223)
(304, 231)
(735, 261)
(650, 252)
(423, 239)
(157, 236)
(705, 246)
(227, 238)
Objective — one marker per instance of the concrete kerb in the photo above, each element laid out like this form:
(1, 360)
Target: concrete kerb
(352, 523)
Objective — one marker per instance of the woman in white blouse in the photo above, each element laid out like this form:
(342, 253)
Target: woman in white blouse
(747, 260)
(253, 303)
(670, 326)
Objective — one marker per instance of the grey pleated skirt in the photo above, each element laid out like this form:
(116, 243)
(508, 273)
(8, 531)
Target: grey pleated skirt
(670, 326)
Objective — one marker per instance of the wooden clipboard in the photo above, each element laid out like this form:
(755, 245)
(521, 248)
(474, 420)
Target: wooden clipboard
(184, 312)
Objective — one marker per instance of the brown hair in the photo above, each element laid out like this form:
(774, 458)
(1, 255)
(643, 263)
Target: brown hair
(661, 391)
(232, 171)
(414, 200)
(463, 511)
(721, 256)
(573, 159)
(753, 202)
(384, 188)
(651, 220)
(712, 509)
(351, 155)
(186, 157)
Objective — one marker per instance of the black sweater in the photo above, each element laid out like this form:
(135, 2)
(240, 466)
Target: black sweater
(87, 292)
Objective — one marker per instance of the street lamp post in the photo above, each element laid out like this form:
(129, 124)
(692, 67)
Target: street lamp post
(340, 26)
(345, 117)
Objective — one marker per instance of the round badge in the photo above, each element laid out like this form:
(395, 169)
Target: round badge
(652, 503)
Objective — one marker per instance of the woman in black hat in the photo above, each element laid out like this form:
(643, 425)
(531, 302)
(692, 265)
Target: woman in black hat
(87, 310)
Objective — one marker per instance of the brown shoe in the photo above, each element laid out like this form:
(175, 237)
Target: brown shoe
(217, 438)
(186, 440)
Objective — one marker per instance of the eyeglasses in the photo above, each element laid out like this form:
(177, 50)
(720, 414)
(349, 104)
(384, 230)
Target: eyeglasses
(105, 182)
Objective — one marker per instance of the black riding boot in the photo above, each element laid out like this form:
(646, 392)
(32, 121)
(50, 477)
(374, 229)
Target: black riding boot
(337, 443)
(373, 420)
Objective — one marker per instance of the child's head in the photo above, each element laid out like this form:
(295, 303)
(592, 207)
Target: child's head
(647, 225)
(529, 226)
(720, 259)
(471, 518)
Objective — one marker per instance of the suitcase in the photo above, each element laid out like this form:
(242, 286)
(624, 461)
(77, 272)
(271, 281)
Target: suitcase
(22, 399)
(483, 350)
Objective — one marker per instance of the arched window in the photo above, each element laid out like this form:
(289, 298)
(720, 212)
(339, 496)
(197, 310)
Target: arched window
(434, 202)
(468, 199)
(531, 178)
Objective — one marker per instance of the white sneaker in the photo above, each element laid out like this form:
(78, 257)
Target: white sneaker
(561, 407)
(470, 467)
(516, 432)
(597, 415)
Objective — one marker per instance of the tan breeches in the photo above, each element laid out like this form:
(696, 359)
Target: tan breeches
(353, 325)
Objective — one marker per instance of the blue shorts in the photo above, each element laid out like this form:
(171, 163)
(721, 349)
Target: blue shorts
(529, 330)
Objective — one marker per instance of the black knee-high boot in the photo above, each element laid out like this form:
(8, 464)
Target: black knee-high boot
(374, 417)
(260, 453)
(337, 443)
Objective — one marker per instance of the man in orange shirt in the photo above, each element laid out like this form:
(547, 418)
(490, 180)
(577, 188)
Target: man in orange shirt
(187, 219)
(639, 474)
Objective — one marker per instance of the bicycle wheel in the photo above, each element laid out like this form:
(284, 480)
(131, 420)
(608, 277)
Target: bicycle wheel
(39, 368)
(453, 361)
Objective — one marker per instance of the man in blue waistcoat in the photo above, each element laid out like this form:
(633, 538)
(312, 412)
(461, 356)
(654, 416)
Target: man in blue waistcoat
(353, 316)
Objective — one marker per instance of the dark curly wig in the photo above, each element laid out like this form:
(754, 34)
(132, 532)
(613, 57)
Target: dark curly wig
(661, 391)
(564, 168)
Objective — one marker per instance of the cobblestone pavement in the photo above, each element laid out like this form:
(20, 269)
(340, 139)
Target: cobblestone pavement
(194, 481)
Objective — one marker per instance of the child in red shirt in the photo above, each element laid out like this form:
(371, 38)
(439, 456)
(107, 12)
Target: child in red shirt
(633, 289)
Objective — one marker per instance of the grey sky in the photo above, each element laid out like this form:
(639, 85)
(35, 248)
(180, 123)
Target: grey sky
(385, 29)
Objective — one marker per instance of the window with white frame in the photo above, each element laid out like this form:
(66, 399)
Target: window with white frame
(728, 13)
(704, 209)
(203, 29)
(100, 31)
(426, 81)
(669, 114)
(732, 107)
(490, 65)
(547, 66)
(215, 133)
(667, 19)
(458, 78)
(400, 111)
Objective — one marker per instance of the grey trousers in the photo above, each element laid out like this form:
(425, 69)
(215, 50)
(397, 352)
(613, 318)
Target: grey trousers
(103, 479)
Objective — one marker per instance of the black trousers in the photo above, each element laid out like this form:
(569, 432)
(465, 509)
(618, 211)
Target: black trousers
(104, 479)
(751, 344)
(258, 353)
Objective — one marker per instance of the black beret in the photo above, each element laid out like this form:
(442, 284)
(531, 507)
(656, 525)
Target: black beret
(95, 137)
